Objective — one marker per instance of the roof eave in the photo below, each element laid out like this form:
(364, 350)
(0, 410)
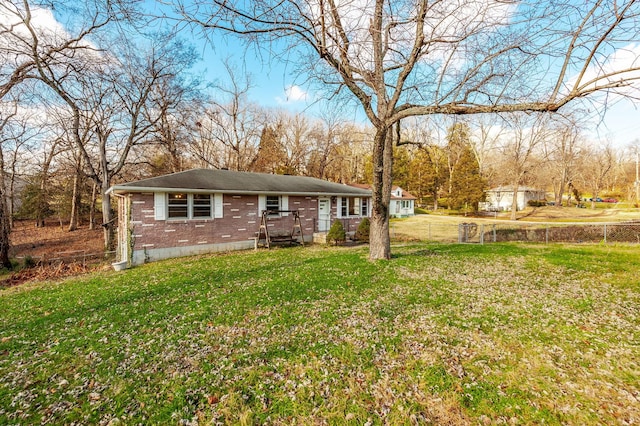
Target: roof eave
(121, 189)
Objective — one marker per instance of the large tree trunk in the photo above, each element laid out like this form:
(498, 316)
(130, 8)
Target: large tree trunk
(92, 207)
(5, 230)
(107, 217)
(5, 225)
(379, 238)
(75, 197)
(42, 199)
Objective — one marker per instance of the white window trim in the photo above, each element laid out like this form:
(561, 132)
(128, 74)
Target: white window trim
(283, 204)
(359, 205)
(189, 206)
(161, 207)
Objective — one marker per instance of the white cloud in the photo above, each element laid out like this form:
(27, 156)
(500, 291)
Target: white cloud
(17, 41)
(293, 94)
(42, 20)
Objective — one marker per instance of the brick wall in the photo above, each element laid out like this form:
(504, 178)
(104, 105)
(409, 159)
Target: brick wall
(240, 222)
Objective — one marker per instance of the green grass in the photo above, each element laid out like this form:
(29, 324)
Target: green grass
(459, 334)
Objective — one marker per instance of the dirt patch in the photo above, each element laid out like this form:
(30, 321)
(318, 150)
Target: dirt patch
(52, 240)
(569, 213)
(53, 252)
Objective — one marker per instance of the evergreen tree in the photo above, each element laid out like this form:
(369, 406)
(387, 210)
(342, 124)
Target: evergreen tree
(35, 202)
(336, 233)
(467, 185)
(427, 174)
(457, 141)
(401, 167)
(362, 233)
(368, 169)
(271, 155)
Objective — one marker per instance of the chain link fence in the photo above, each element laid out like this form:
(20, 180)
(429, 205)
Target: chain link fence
(481, 233)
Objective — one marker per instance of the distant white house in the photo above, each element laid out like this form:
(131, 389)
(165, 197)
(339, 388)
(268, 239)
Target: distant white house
(401, 204)
(501, 198)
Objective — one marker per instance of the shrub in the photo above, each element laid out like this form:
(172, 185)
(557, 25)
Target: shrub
(336, 233)
(537, 203)
(362, 233)
(28, 262)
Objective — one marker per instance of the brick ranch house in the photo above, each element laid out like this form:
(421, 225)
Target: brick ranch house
(203, 210)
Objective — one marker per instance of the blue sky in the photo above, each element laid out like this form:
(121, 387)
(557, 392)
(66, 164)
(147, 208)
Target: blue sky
(277, 86)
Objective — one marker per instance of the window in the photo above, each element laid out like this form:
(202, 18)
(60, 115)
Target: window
(189, 206)
(353, 206)
(272, 204)
(202, 205)
(178, 206)
(405, 204)
(364, 207)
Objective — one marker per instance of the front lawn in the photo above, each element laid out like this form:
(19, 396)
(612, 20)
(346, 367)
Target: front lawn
(456, 334)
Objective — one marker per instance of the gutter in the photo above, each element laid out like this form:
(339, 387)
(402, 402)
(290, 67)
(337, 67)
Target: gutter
(118, 190)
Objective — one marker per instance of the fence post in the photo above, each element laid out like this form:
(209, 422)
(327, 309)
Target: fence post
(546, 234)
(482, 233)
(495, 236)
(605, 233)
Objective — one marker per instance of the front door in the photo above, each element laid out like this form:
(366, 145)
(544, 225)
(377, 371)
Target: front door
(324, 214)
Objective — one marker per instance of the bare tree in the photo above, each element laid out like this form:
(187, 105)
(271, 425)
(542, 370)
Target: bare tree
(8, 112)
(296, 142)
(485, 138)
(230, 127)
(335, 150)
(347, 159)
(67, 64)
(33, 43)
(76, 193)
(117, 114)
(519, 149)
(635, 152)
(323, 137)
(562, 149)
(597, 164)
(16, 137)
(171, 113)
(405, 58)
